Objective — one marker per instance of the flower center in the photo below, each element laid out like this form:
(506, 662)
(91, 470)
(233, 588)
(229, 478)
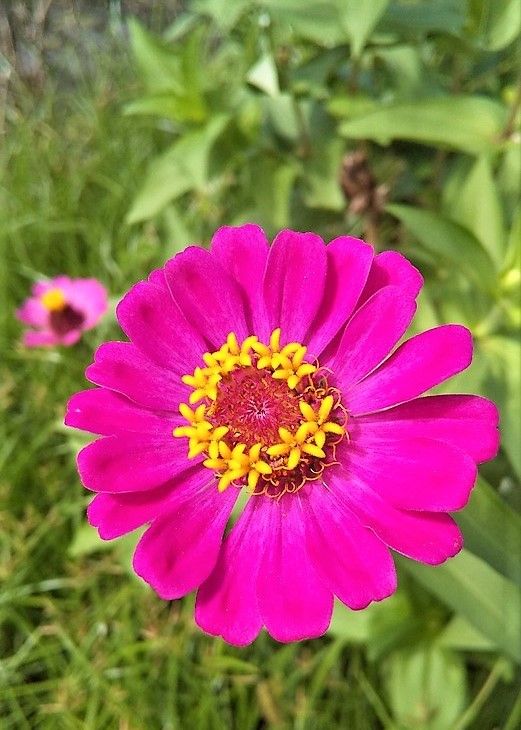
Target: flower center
(265, 418)
(65, 320)
(53, 300)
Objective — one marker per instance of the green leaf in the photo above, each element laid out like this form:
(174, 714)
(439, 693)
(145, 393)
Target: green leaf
(512, 263)
(492, 530)
(317, 21)
(263, 75)
(404, 64)
(359, 20)
(350, 107)
(462, 636)
(426, 686)
(478, 208)
(272, 190)
(86, 541)
(169, 106)
(353, 626)
(509, 175)
(495, 24)
(450, 241)
(504, 386)
(426, 16)
(382, 626)
(473, 589)
(468, 123)
(282, 114)
(321, 181)
(220, 664)
(224, 13)
(182, 168)
(159, 65)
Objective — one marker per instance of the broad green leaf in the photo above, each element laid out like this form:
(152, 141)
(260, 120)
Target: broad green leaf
(495, 24)
(462, 636)
(468, 123)
(282, 113)
(172, 75)
(452, 242)
(182, 25)
(503, 385)
(167, 178)
(473, 589)
(272, 190)
(351, 106)
(263, 75)
(512, 263)
(478, 209)
(509, 176)
(182, 168)
(378, 625)
(316, 21)
(179, 234)
(224, 13)
(404, 65)
(312, 76)
(426, 687)
(170, 106)
(425, 16)
(492, 530)
(86, 541)
(221, 664)
(354, 626)
(321, 180)
(158, 63)
(359, 20)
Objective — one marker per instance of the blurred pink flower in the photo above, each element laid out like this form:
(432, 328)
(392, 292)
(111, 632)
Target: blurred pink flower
(269, 369)
(61, 309)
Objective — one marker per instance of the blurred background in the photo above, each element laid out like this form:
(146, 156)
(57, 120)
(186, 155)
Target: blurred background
(131, 128)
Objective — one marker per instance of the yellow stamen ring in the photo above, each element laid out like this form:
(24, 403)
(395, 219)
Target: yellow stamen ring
(299, 453)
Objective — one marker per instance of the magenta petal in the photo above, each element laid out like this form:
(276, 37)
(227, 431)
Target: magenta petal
(468, 422)
(157, 277)
(424, 536)
(348, 264)
(294, 282)
(152, 320)
(120, 366)
(391, 268)
(33, 313)
(353, 563)
(32, 338)
(88, 296)
(294, 602)
(107, 413)
(371, 334)
(131, 461)
(227, 603)
(243, 251)
(116, 514)
(419, 364)
(208, 296)
(415, 473)
(179, 550)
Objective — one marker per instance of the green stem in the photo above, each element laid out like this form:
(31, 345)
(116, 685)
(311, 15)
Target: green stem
(514, 719)
(482, 696)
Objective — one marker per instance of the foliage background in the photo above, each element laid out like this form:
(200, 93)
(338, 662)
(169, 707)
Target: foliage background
(130, 129)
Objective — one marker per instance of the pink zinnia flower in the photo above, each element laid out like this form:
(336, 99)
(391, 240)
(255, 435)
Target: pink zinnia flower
(61, 309)
(267, 371)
